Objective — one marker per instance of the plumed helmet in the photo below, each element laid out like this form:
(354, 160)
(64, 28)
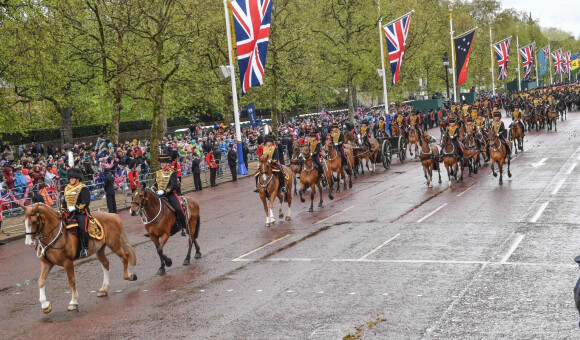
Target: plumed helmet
(74, 173)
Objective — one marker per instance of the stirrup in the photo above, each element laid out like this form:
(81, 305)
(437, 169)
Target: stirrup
(183, 233)
(84, 253)
(256, 190)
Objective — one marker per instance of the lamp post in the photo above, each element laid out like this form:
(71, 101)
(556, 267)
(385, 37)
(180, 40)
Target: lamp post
(62, 133)
(446, 65)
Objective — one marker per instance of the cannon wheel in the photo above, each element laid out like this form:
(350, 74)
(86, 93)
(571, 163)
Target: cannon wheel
(402, 148)
(386, 151)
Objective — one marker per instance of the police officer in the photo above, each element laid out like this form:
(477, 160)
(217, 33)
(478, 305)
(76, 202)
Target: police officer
(315, 149)
(109, 187)
(166, 184)
(76, 201)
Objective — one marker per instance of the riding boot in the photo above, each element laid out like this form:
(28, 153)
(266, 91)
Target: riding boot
(256, 190)
(84, 239)
(441, 156)
(180, 220)
(282, 182)
(321, 175)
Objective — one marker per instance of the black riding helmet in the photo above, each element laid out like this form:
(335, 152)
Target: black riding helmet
(74, 173)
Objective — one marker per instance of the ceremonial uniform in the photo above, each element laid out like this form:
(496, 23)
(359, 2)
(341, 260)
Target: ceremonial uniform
(516, 117)
(76, 201)
(415, 119)
(498, 128)
(166, 184)
(453, 133)
(315, 148)
(272, 155)
(401, 125)
(338, 141)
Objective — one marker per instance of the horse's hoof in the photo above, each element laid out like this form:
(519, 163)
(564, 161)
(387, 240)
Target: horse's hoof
(302, 200)
(430, 185)
(161, 271)
(449, 186)
(186, 262)
(329, 196)
(281, 216)
(267, 225)
(197, 255)
(288, 218)
(102, 293)
(509, 174)
(494, 174)
(272, 223)
(134, 277)
(440, 181)
(168, 262)
(311, 209)
(72, 307)
(338, 191)
(47, 309)
(500, 182)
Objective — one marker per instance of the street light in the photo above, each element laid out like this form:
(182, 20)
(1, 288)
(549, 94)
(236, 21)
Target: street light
(446, 65)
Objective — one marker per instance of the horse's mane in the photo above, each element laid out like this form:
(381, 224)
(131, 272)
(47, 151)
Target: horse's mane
(40, 207)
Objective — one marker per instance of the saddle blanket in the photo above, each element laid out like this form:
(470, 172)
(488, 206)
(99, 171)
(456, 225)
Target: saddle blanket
(96, 230)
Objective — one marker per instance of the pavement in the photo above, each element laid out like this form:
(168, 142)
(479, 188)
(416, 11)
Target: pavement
(387, 259)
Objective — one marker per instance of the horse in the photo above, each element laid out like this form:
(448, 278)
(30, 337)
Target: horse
(527, 118)
(309, 178)
(539, 118)
(451, 159)
(414, 140)
(367, 154)
(429, 156)
(498, 154)
(55, 245)
(471, 152)
(517, 136)
(268, 187)
(159, 219)
(295, 162)
(443, 122)
(561, 107)
(552, 118)
(335, 163)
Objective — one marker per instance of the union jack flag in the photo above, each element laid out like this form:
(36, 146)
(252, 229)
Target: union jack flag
(502, 51)
(527, 53)
(546, 53)
(396, 33)
(567, 61)
(558, 61)
(252, 27)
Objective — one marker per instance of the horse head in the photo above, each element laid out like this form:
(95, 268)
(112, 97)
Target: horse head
(36, 217)
(140, 200)
(264, 165)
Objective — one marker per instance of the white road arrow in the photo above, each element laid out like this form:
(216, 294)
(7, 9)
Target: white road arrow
(541, 162)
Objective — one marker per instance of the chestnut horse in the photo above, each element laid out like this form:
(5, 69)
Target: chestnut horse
(429, 156)
(414, 140)
(268, 187)
(57, 246)
(295, 163)
(552, 117)
(159, 218)
(471, 152)
(335, 165)
(451, 159)
(517, 136)
(309, 178)
(498, 154)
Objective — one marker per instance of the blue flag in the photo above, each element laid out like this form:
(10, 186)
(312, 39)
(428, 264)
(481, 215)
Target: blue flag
(252, 114)
(543, 57)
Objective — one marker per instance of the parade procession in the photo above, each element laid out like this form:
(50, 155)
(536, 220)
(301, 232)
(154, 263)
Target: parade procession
(269, 169)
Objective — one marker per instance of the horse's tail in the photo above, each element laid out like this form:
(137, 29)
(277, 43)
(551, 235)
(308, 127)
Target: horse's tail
(196, 233)
(132, 258)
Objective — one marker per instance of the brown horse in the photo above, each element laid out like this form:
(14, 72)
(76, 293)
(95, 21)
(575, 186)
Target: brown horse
(268, 187)
(498, 154)
(159, 219)
(370, 154)
(552, 117)
(309, 178)
(335, 164)
(451, 159)
(295, 162)
(517, 136)
(57, 246)
(413, 140)
(429, 157)
(471, 152)
(443, 123)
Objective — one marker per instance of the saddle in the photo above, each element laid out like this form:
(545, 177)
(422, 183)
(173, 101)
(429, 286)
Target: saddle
(94, 227)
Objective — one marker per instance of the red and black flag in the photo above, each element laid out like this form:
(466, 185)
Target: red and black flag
(463, 44)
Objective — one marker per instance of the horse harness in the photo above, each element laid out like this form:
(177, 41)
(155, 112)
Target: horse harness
(40, 249)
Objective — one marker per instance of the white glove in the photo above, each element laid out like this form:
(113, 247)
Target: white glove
(452, 137)
(311, 154)
(160, 192)
(335, 144)
(72, 208)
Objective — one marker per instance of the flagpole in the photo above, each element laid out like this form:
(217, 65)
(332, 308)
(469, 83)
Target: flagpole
(518, 57)
(241, 165)
(550, 60)
(385, 94)
(491, 55)
(560, 62)
(452, 53)
(536, 62)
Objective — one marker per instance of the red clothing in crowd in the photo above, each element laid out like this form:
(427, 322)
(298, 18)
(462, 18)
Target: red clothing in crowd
(260, 150)
(210, 159)
(175, 166)
(134, 179)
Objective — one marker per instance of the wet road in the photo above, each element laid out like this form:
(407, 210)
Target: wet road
(476, 260)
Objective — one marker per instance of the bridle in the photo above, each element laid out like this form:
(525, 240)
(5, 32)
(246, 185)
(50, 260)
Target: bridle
(141, 206)
(37, 235)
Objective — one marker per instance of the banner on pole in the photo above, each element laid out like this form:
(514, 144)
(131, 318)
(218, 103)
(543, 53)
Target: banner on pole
(558, 61)
(502, 51)
(251, 110)
(543, 59)
(463, 44)
(396, 33)
(527, 54)
(575, 64)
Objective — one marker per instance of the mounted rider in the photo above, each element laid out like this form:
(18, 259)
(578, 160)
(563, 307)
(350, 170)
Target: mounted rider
(338, 141)
(315, 153)
(401, 124)
(498, 128)
(517, 118)
(453, 133)
(382, 127)
(366, 134)
(272, 156)
(76, 201)
(414, 118)
(166, 184)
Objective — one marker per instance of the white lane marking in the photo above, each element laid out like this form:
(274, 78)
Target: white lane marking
(285, 259)
(259, 290)
(431, 213)
(571, 169)
(352, 293)
(578, 157)
(289, 291)
(257, 249)
(558, 186)
(320, 292)
(331, 216)
(411, 261)
(539, 212)
(541, 162)
(464, 191)
(230, 290)
(384, 192)
(379, 247)
(513, 248)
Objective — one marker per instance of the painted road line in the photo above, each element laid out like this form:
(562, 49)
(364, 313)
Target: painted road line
(255, 250)
(280, 259)
(431, 213)
(331, 216)
(411, 261)
(464, 191)
(571, 169)
(539, 212)
(384, 192)
(378, 247)
(558, 186)
(513, 248)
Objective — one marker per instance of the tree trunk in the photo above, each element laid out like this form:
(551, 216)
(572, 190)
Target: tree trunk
(274, 107)
(66, 123)
(117, 107)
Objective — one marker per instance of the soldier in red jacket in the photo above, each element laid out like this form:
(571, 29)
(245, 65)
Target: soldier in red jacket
(210, 160)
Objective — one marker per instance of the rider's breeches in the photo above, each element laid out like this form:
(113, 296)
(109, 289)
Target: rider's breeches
(176, 204)
(316, 161)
